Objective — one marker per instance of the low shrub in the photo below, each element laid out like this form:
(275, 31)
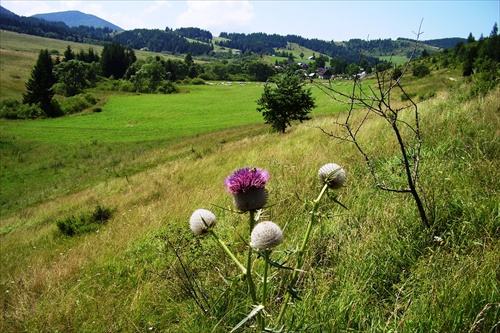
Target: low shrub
(421, 70)
(198, 81)
(77, 103)
(13, 109)
(73, 226)
(167, 87)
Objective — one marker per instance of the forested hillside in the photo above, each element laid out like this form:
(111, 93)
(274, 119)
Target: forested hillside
(161, 41)
(176, 41)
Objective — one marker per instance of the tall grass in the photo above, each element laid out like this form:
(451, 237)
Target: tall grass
(372, 268)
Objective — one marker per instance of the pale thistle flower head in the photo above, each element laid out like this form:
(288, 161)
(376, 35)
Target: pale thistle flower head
(247, 185)
(201, 220)
(333, 175)
(266, 235)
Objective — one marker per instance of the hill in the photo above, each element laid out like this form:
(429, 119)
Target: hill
(5, 11)
(75, 18)
(370, 268)
(64, 25)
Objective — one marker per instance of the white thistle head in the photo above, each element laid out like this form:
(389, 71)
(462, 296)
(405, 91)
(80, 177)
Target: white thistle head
(201, 220)
(266, 235)
(333, 175)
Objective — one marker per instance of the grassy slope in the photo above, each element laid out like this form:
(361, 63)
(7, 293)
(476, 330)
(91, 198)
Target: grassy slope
(19, 52)
(380, 270)
(51, 154)
(372, 268)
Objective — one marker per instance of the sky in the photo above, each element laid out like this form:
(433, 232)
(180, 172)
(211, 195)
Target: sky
(335, 20)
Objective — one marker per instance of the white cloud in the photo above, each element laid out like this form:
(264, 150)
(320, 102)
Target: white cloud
(28, 8)
(216, 14)
(155, 7)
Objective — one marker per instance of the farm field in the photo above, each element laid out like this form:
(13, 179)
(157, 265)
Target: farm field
(396, 59)
(151, 160)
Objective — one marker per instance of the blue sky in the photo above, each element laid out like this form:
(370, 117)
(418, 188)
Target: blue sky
(328, 20)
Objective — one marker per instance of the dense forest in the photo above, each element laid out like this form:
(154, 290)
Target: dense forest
(195, 33)
(156, 40)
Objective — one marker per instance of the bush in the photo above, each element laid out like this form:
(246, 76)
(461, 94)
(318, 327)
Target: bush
(73, 226)
(125, 86)
(167, 87)
(198, 81)
(421, 70)
(77, 103)
(13, 109)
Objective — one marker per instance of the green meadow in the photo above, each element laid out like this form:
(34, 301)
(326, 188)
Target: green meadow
(154, 159)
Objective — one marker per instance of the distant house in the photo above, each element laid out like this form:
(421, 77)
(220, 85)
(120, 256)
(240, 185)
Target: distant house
(303, 65)
(325, 73)
(311, 58)
(360, 75)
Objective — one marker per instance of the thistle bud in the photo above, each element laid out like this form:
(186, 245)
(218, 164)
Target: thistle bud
(332, 174)
(201, 220)
(266, 235)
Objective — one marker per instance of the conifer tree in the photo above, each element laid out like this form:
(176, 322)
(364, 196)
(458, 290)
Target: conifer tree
(114, 61)
(39, 85)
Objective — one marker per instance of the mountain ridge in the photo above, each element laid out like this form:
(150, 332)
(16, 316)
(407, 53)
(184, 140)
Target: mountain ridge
(76, 18)
(78, 26)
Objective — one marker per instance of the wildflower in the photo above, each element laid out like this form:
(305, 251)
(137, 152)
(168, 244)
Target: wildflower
(332, 174)
(266, 235)
(247, 185)
(201, 220)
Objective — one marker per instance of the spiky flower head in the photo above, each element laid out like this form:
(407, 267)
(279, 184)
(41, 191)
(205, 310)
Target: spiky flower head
(265, 236)
(245, 179)
(247, 185)
(201, 220)
(333, 175)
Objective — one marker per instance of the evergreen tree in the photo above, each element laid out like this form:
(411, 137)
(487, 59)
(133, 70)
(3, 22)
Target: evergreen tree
(494, 31)
(68, 54)
(39, 85)
(114, 60)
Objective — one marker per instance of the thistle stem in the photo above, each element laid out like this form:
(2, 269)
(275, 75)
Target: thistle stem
(264, 288)
(251, 285)
(300, 252)
(228, 251)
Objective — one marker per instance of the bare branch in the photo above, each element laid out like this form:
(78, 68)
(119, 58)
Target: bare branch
(377, 100)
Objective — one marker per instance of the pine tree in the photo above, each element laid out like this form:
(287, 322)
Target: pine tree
(69, 54)
(39, 85)
(114, 61)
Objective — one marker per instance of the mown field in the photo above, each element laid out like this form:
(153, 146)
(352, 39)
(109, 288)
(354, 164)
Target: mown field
(52, 153)
(154, 159)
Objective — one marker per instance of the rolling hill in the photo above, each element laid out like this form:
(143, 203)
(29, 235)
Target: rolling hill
(75, 18)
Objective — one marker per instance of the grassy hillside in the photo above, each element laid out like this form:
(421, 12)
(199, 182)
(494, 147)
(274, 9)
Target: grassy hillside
(370, 268)
(19, 52)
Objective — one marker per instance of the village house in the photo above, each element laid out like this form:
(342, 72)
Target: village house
(325, 73)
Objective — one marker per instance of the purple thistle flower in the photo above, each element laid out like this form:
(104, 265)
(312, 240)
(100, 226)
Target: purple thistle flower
(246, 179)
(247, 185)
